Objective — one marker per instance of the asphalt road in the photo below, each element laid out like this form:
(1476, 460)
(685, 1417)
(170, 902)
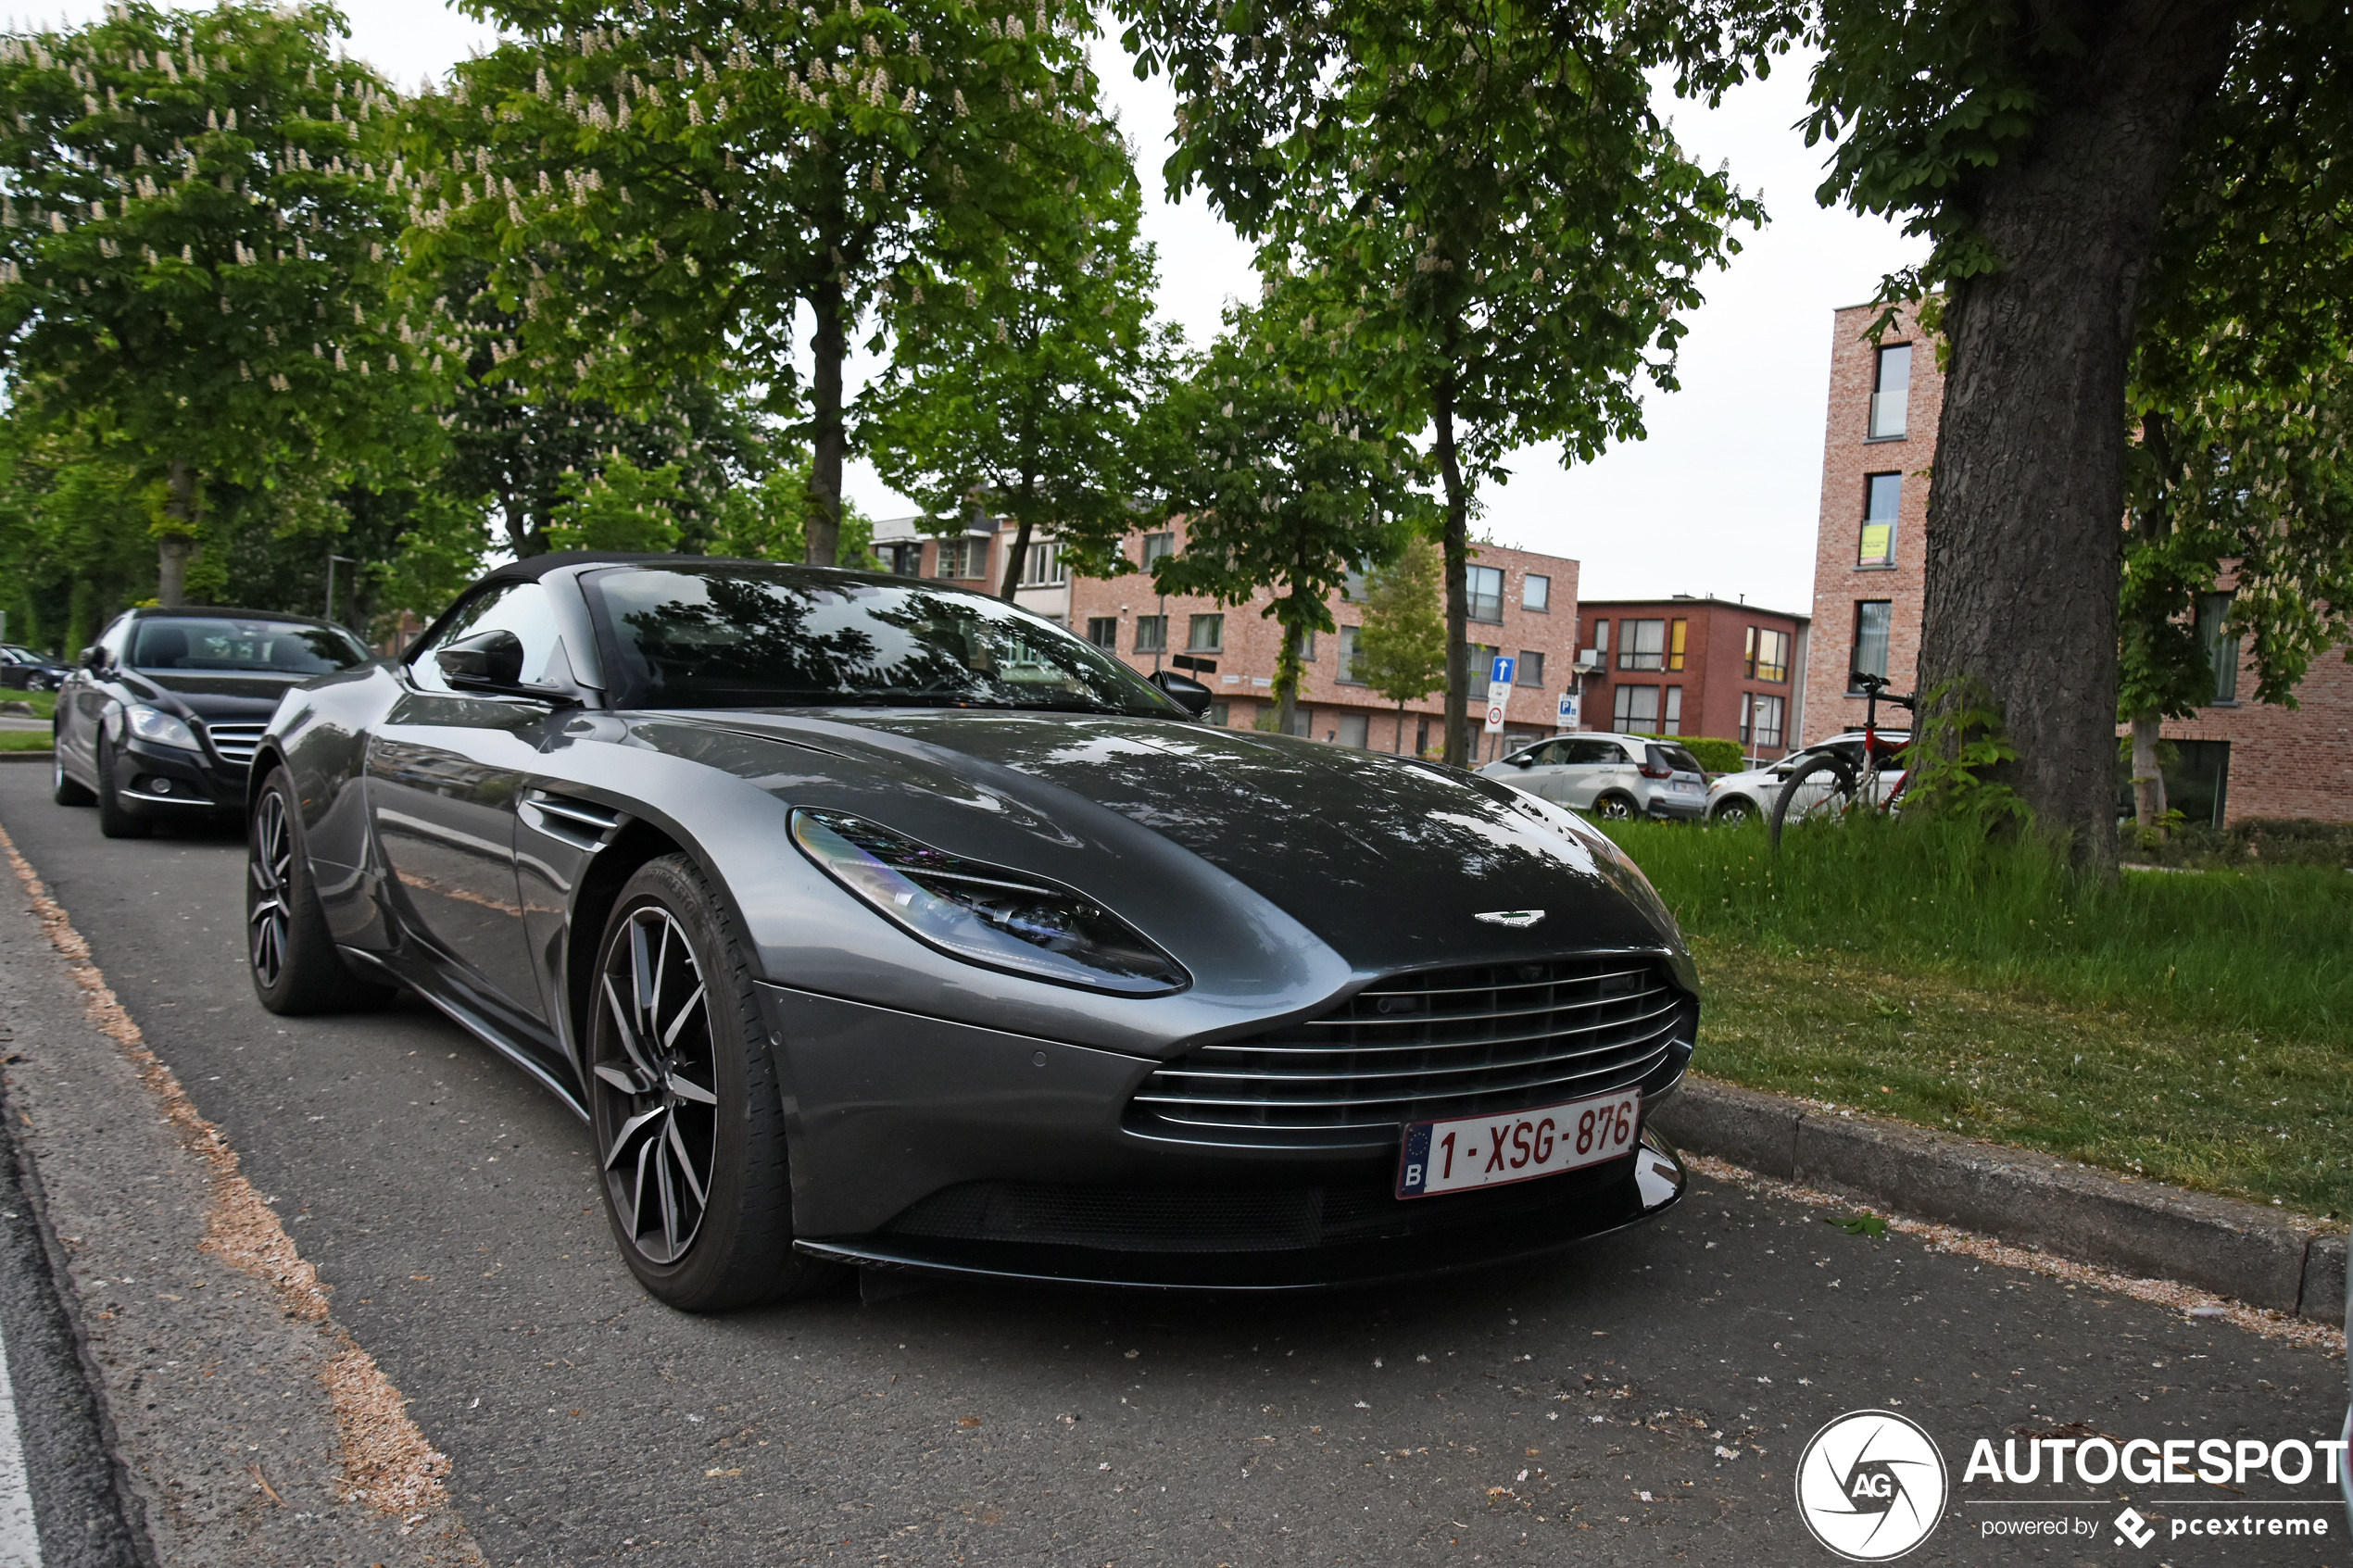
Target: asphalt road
(1643, 1399)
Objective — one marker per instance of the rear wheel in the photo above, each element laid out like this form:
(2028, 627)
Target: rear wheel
(1614, 809)
(289, 952)
(63, 788)
(690, 1124)
(115, 819)
(1823, 790)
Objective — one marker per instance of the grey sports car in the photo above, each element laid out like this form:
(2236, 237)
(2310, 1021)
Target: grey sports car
(873, 922)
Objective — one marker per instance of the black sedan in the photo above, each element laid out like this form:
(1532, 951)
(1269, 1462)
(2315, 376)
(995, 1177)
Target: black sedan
(22, 670)
(871, 922)
(163, 715)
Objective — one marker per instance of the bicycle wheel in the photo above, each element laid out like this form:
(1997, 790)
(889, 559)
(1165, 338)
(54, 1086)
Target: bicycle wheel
(1825, 789)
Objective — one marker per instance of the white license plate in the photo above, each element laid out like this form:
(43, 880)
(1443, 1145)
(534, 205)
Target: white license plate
(1685, 786)
(1485, 1151)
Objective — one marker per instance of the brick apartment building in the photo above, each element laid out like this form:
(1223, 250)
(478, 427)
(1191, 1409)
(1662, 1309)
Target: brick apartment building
(1686, 666)
(2238, 759)
(1521, 603)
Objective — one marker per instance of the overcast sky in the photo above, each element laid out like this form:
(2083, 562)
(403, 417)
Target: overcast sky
(1723, 496)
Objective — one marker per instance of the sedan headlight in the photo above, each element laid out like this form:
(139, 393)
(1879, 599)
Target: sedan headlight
(164, 729)
(986, 914)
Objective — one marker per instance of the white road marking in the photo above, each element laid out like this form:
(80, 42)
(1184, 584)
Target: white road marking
(20, 1542)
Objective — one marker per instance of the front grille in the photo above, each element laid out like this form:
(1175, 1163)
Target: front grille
(1192, 1220)
(1453, 1042)
(235, 742)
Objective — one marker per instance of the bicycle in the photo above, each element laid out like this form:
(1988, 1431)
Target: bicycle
(1845, 785)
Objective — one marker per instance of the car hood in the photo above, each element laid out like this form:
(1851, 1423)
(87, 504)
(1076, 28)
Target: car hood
(209, 695)
(1390, 861)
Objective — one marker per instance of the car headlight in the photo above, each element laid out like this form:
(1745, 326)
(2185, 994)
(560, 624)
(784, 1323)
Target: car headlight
(986, 914)
(154, 724)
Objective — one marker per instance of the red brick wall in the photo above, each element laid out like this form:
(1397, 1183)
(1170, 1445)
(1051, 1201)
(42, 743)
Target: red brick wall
(2285, 762)
(1714, 676)
(1848, 457)
(1244, 677)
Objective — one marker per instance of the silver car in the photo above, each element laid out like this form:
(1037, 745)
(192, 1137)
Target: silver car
(1615, 777)
(1747, 798)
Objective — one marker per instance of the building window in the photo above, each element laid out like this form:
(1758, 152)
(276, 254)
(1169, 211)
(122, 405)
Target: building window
(1482, 665)
(1347, 671)
(1206, 634)
(1761, 720)
(1768, 656)
(1890, 391)
(1307, 645)
(1600, 651)
(1674, 631)
(1151, 634)
(1421, 737)
(1536, 593)
(2222, 644)
(1156, 545)
(1637, 712)
(1352, 729)
(1103, 631)
(1642, 644)
(1882, 492)
(1485, 586)
(1044, 568)
(962, 557)
(902, 559)
(1352, 587)
(1869, 655)
(1673, 723)
(1221, 713)
(1530, 670)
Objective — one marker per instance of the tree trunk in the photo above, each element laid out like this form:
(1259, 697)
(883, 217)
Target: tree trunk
(827, 440)
(1025, 499)
(2148, 778)
(1288, 668)
(176, 547)
(2026, 502)
(1457, 579)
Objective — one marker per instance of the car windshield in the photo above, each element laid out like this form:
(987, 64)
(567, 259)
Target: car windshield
(223, 644)
(738, 635)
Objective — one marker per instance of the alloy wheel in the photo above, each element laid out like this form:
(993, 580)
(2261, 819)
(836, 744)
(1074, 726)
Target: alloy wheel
(271, 865)
(655, 1082)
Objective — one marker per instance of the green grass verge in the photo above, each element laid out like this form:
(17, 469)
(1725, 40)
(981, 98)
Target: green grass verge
(44, 704)
(2196, 1029)
(24, 740)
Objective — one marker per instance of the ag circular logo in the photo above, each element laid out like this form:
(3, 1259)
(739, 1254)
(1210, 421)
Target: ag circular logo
(1871, 1486)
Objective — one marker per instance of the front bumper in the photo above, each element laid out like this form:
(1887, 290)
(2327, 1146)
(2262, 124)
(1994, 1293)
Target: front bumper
(922, 1143)
(151, 780)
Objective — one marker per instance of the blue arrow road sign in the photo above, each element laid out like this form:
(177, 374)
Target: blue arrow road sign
(1504, 664)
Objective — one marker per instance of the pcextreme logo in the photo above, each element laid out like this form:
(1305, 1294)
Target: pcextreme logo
(1871, 1486)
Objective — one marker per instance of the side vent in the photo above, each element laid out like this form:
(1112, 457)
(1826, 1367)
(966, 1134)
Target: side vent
(583, 824)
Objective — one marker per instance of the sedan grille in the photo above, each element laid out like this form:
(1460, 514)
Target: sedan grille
(235, 742)
(1454, 1042)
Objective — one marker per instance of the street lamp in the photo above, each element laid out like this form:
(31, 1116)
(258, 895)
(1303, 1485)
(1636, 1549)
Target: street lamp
(332, 558)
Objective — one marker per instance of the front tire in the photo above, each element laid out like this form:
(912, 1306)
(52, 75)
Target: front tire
(289, 952)
(1736, 812)
(63, 788)
(689, 1123)
(115, 819)
(1839, 789)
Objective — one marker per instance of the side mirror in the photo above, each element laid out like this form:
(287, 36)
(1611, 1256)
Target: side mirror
(94, 657)
(1183, 690)
(489, 661)
(1522, 759)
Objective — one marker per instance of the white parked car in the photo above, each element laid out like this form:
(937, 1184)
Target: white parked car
(1611, 776)
(1748, 797)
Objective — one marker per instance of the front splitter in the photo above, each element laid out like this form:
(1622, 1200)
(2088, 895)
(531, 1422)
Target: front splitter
(1654, 1182)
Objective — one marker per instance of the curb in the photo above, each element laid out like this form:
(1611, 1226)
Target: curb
(26, 756)
(2143, 1228)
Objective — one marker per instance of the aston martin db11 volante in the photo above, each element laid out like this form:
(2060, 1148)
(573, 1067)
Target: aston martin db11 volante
(869, 920)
